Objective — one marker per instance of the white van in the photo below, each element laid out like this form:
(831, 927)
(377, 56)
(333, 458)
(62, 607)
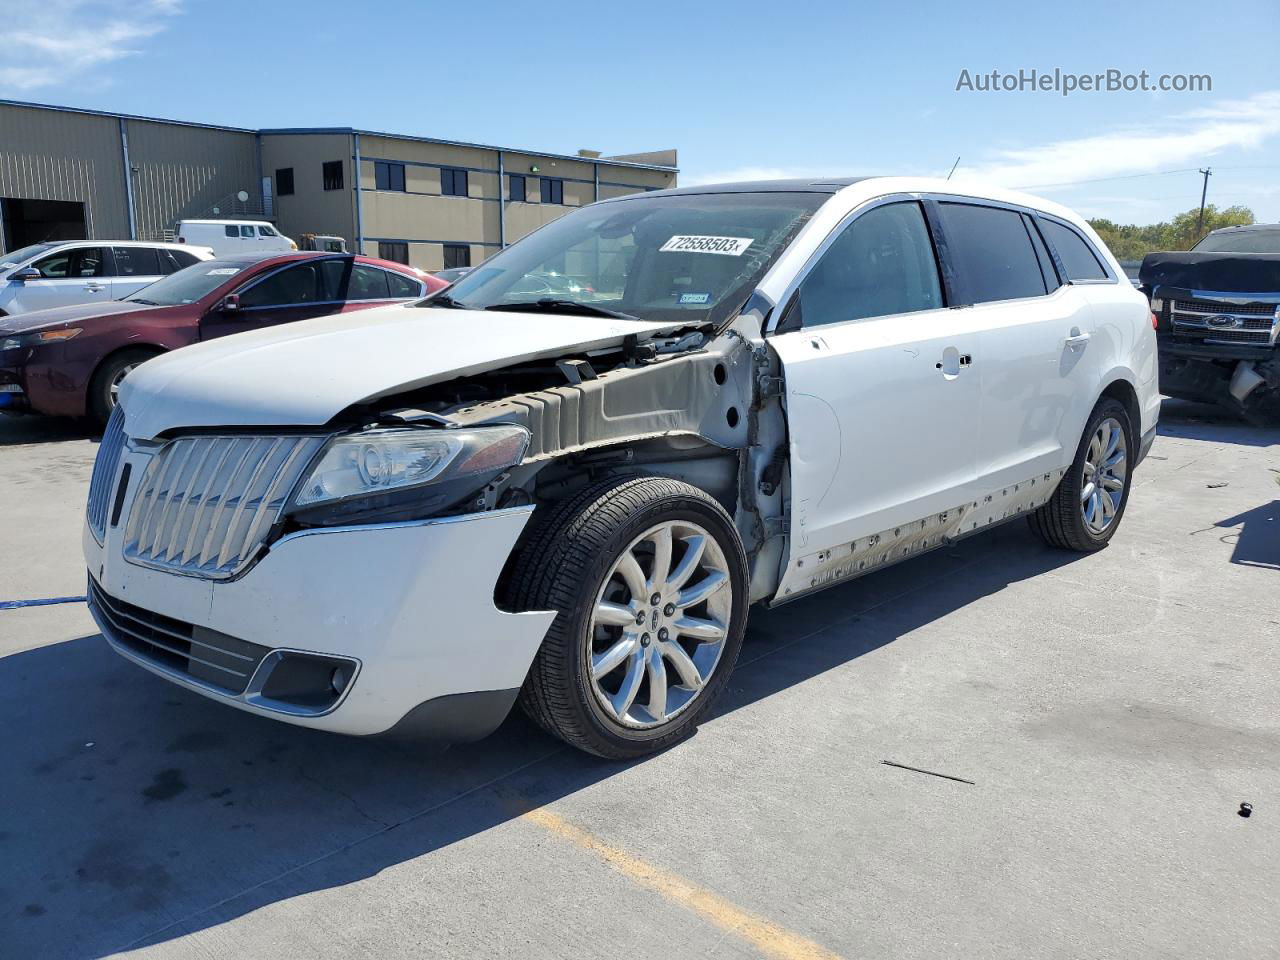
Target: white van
(233, 236)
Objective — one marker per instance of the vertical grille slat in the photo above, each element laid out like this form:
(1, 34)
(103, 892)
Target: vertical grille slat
(206, 503)
(105, 468)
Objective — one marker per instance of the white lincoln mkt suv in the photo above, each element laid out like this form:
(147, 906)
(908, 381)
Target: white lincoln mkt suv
(407, 520)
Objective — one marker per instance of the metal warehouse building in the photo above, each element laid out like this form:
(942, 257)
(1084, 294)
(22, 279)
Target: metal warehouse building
(72, 174)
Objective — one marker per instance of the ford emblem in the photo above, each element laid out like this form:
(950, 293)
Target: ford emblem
(1222, 322)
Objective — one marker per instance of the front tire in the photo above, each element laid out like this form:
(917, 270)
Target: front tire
(649, 580)
(105, 384)
(1085, 511)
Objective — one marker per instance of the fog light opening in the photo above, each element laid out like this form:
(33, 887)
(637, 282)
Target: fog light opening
(339, 679)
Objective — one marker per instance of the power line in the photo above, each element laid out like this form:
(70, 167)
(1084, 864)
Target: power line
(1130, 176)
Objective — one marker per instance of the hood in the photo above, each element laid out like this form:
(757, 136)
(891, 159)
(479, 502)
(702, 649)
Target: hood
(304, 373)
(60, 316)
(1213, 272)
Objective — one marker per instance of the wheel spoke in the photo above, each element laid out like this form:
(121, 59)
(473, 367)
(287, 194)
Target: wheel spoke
(1112, 483)
(603, 663)
(1108, 507)
(657, 685)
(689, 562)
(688, 670)
(1091, 512)
(661, 559)
(629, 569)
(1087, 492)
(696, 628)
(626, 695)
(1114, 460)
(713, 581)
(614, 614)
(1114, 436)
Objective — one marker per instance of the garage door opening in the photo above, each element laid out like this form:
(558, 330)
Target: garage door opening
(35, 221)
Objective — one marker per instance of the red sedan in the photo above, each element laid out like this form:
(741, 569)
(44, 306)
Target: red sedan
(69, 361)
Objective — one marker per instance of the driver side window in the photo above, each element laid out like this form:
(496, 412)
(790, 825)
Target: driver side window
(294, 285)
(882, 264)
(80, 262)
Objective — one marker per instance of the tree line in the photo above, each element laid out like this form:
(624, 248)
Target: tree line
(1132, 242)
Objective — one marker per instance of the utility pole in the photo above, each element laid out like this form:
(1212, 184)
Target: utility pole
(1207, 171)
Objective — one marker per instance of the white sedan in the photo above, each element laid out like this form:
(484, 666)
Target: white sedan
(410, 519)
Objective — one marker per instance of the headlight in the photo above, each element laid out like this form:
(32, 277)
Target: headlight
(35, 339)
(404, 471)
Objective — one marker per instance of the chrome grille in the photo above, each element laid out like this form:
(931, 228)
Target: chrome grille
(207, 503)
(1250, 323)
(104, 473)
(1218, 306)
(206, 655)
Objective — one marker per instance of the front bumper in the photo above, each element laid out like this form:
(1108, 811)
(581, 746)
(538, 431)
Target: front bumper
(409, 605)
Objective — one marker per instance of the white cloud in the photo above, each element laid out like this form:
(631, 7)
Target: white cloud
(49, 42)
(1186, 139)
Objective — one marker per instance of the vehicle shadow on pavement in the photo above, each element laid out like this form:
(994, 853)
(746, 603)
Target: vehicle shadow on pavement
(31, 429)
(1257, 541)
(1198, 421)
(138, 812)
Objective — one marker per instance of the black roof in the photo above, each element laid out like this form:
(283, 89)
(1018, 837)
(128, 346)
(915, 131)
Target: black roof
(1247, 228)
(811, 185)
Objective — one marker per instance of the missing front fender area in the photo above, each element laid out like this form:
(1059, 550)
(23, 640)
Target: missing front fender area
(704, 394)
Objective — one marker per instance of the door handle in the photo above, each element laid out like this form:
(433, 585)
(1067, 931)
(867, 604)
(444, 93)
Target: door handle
(93, 287)
(1076, 338)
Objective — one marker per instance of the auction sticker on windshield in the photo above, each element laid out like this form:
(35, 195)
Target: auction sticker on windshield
(725, 246)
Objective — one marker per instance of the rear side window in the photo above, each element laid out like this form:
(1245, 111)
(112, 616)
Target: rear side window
(184, 259)
(993, 255)
(402, 286)
(246, 231)
(231, 230)
(368, 283)
(137, 262)
(882, 264)
(1076, 255)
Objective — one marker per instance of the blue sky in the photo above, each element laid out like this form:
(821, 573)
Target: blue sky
(742, 88)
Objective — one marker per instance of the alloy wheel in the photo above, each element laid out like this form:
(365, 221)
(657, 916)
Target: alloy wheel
(1105, 473)
(113, 389)
(660, 624)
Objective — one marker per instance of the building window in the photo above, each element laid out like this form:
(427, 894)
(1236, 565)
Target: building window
(397, 251)
(552, 190)
(284, 181)
(388, 176)
(453, 182)
(456, 255)
(332, 174)
(516, 187)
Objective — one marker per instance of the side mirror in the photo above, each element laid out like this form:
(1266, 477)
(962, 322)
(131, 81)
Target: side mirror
(230, 303)
(25, 274)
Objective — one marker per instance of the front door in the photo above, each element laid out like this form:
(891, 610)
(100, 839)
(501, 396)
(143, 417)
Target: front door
(312, 288)
(883, 393)
(67, 277)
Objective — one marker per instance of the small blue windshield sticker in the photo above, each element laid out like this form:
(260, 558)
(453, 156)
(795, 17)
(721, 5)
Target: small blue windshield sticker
(695, 297)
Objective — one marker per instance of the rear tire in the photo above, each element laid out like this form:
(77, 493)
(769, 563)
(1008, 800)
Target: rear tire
(106, 382)
(1083, 515)
(619, 675)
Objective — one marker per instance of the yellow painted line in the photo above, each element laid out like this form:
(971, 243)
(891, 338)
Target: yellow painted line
(765, 935)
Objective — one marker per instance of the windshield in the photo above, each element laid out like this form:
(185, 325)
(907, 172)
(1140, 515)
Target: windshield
(1241, 241)
(9, 260)
(687, 257)
(187, 285)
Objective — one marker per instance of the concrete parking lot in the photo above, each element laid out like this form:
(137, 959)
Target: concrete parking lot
(1104, 716)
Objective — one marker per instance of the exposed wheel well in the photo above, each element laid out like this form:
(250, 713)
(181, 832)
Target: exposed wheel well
(1122, 390)
(148, 348)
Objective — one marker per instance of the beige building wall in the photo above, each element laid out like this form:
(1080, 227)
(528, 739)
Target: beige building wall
(57, 155)
(425, 220)
(311, 208)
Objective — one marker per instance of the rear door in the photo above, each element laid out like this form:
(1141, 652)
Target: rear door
(68, 276)
(882, 402)
(1035, 333)
(135, 267)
